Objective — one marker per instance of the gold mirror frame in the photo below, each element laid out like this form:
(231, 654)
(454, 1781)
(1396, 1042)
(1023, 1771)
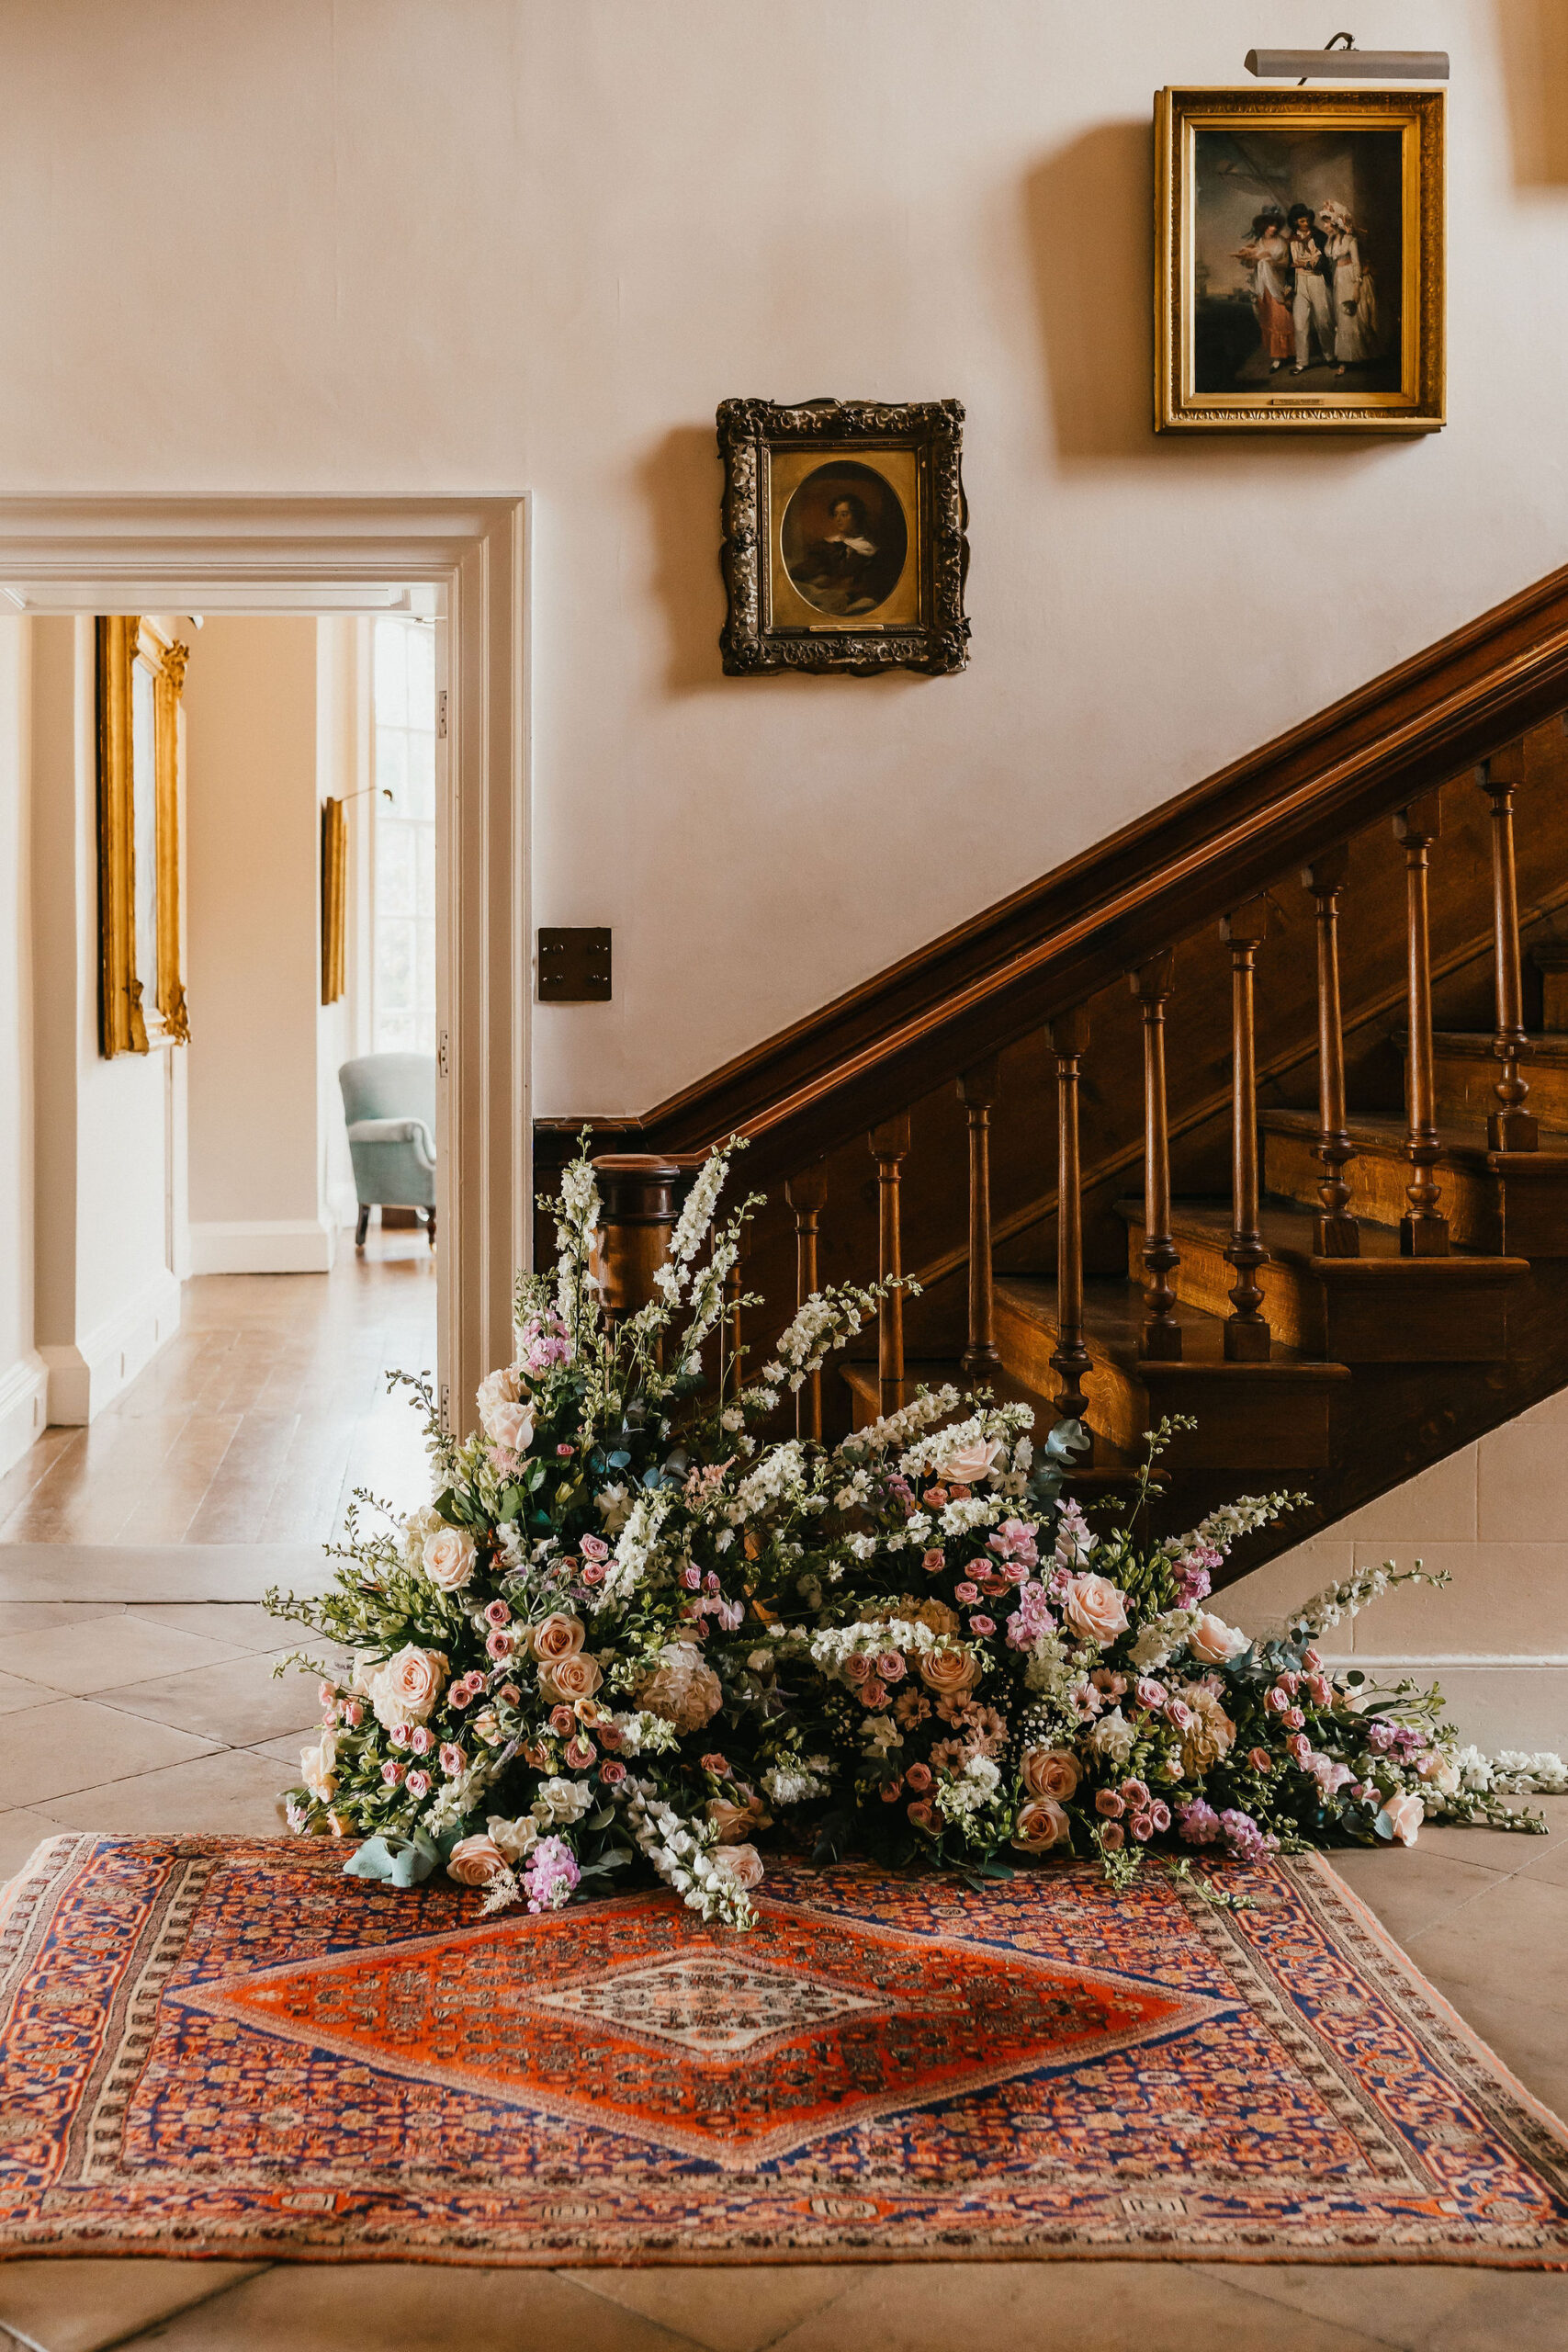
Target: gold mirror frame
(335, 900)
(126, 1024)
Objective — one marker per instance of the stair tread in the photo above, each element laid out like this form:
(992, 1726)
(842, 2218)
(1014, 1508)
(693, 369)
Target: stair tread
(1113, 1317)
(1467, 1144)
(1286, 1230)
(1545, 1045)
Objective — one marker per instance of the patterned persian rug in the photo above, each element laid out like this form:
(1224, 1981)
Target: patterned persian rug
(210, 2046)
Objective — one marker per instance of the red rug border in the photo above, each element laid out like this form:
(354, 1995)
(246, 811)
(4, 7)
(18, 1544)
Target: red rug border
(107, 2245)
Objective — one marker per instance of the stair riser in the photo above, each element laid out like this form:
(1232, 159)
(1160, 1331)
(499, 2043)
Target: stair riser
(1464, 1084)
(1237, 1428)
(1356, 1324)
(1378, 1181)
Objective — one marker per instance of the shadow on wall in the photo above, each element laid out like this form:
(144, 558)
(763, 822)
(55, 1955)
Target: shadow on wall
(1089, 213)
(1532, 37)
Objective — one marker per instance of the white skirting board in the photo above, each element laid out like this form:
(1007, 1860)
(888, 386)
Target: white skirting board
(305, 1245)
(89, 1374)
(24, 1406)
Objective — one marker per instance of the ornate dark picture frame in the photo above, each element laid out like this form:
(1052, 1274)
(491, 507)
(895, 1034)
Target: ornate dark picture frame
(844, 537)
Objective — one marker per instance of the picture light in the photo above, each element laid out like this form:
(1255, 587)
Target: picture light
(1350, 64)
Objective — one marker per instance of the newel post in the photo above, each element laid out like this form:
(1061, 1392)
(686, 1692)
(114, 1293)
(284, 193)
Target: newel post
(637, 1191)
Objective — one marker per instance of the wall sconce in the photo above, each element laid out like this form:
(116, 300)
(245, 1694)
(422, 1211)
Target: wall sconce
(1348, 65)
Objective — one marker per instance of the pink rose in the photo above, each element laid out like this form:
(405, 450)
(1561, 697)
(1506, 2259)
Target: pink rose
(889, 1665)
(718, 1765)
(593, 1548)
(874, 1692)
(1095, 1608)
(453, 1760)
(476, 1862)
(570, 1678)
(1211, 1641)
(1112, 1836)
(743, 1864)
(981, 1624)
(498, 1613)
(1404, 1813)
(612, 1772)
(421, 1739)
(558, 1636)
(392, 1773)
(934, 1561)
(1260, 1759)
(967, 1464)
(1041, 1825)
(1050, 1772)
(353, 1713)
(418, 1784)
(950, 1672)
(857, 1667)
(1107, 1801)
(967, 1592)
(920, 1778)
(500, 1643)
(580, 1753)
(449, 1558)
(922, 1812)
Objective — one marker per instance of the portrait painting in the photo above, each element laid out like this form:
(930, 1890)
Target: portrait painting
(844, 539)
(1301, 260)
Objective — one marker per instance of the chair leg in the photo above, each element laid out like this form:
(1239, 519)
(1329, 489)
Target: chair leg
(363, 1227)
(430, 1225)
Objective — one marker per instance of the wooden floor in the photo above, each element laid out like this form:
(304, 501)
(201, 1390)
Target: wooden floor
(254, 1424)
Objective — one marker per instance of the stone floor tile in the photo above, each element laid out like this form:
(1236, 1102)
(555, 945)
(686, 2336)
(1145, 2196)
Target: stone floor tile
(70, 2306)
(1531, 2041)
(1411, 1890)
(1498, 1849)
(21, 1832)
(410, 2307)
(1052, 2306)
(108, 1653)
(231, 1794)
(239, 1703)
(1417, 2307)
(15, 1695)
(239, 1624)
(286, 1750)
(67, 1744)
(1514, 1937)
(724, 2310)
(118, 1573)
(33, 1616)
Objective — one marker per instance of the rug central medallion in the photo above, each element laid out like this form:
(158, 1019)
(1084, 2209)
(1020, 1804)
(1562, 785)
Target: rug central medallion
(640, 2019)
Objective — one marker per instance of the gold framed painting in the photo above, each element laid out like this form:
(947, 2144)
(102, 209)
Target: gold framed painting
(140, 673)
(335, 900)
(1300, 258)
(844, 537)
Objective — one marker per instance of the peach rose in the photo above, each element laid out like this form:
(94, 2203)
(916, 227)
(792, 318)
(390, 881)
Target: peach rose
(743, 1864)
(570, 1679)
(736, 1823)
(1050, 1772)
(1404, 1813)
(476, 1862)
(449, 1558)
(948, 1672)
(1208, 1734)
(1041, 1825)
(1211, 1641)
(967, 1464)
(406, 1688)
(511, 1426)
(1095, 1608)
(558, 1636)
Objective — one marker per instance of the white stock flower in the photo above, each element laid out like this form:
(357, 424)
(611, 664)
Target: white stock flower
(318, 1768)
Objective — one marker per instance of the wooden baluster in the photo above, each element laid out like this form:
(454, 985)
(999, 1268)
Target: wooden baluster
(1423, 1233)
(890, 1147)
(1247, 1336)
(807, 1196)
(1336, 1232)
(1160, 1339)
(1069, 1042)
(638, 1193)
(1510, 1127)
(977, 1093)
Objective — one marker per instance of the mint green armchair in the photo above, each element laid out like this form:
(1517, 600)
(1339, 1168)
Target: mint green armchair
(388, 1101)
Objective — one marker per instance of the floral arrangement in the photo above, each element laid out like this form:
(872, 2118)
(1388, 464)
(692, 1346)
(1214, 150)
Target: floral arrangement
(630, 1628)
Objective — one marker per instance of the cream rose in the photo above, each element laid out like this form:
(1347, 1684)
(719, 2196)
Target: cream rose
(967, 1464)
(1095, 1608)
(449, 1558)
(476, 1862)
(570, 1678)
(513, 1427)
(1041, 1825)
(950, 1672)
(1404, 1813)
(682, 1688)
(317, 1768)
(497, 1390)
(743, 1864)
(515, 1839)
(1050, 1772)
(556, 1637)
(1211, 1641)
(406, 1689)
(735, 1823)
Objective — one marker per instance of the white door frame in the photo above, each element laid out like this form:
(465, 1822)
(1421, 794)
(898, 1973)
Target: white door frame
(258, 552)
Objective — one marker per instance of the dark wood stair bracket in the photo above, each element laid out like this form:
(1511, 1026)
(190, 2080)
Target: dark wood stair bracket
(890, 1147)
(639, 1191)
(1069, 1042)
(1503, 1203)
(1378, 1307)
(1423, 1230)
(1247, 1337)
(1335, 1230)
(807, 1194)
(1272, 1416)
(1160, 1340)
(1509, 1126)
(977, 1091)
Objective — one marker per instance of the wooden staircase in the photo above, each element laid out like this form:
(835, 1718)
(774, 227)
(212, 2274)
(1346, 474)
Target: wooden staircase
(1257, 1134)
